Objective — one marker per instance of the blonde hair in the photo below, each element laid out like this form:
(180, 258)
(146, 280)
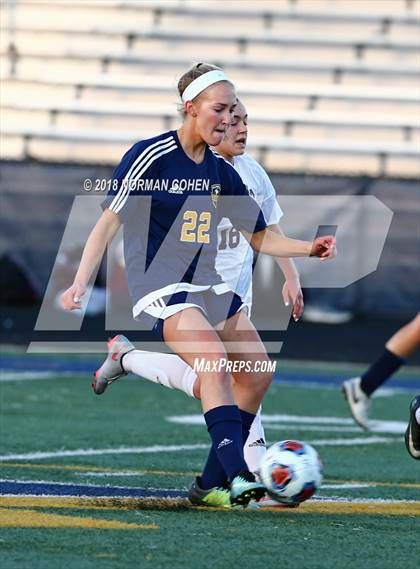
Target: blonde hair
(196, 71)
(188, 77)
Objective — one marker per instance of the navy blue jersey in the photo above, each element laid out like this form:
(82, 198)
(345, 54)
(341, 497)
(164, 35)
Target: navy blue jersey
(170, 208)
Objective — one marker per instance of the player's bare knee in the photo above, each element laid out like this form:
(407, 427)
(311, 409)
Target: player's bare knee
(267, 378)
(219, 380)
(213, 368)
(264, 380)
(259, 382)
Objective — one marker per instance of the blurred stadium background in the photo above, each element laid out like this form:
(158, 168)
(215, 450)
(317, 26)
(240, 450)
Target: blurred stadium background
(332, 90)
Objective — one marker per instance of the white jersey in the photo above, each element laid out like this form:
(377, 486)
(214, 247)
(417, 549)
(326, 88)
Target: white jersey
(234, 254)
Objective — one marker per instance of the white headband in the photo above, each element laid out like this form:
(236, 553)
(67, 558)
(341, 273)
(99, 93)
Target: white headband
(201, 83)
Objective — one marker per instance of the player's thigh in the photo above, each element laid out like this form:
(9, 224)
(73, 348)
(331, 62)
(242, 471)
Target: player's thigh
(189, 334)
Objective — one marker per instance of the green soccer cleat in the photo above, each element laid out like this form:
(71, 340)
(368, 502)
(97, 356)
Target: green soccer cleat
(112, 368)
(412, 434)
(244, 487)
(217, 497)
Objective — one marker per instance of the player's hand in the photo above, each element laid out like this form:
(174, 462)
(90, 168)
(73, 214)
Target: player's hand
(71, 298)
(292, 291)
(324, 248)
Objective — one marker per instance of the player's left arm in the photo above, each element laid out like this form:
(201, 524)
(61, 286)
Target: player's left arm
(275, 245)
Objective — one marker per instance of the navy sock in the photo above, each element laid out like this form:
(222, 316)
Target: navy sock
(226, 457)
(214, 473)
(380, 371)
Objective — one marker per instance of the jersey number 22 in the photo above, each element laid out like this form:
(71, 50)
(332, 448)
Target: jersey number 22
(195, 227)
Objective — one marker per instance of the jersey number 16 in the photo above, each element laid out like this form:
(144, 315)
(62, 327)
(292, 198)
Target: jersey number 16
(229, 238)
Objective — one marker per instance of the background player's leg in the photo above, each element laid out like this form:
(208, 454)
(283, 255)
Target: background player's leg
(406, 340)
(399, 347)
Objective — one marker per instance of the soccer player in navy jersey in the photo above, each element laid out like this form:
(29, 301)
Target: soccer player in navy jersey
(234, 264)
(170, 244)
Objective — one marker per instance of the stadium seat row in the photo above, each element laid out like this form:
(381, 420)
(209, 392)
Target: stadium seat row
(105, 72)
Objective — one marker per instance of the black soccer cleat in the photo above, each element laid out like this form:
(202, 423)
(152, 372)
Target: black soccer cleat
(244, 488)
(412, 434)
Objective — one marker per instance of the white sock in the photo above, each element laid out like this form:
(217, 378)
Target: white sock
(418, 416)
(255, 448)
(165, 369)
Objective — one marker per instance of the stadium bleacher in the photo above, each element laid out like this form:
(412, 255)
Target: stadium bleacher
(169, 116)
(329, 89)
(358, 44)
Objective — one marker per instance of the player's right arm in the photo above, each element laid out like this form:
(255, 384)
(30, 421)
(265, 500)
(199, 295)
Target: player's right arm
(102, 234)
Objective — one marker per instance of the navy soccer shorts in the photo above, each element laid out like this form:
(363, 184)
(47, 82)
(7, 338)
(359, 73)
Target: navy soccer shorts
(216, 308)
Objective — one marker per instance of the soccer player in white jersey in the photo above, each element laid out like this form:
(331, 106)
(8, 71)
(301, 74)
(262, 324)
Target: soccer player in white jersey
(170, 245)
(235, 257)
(234, 264)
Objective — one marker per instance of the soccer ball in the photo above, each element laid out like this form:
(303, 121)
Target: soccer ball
(291, 471)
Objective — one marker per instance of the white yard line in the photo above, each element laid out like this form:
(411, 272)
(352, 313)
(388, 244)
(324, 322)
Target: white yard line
(322, 428)
(29, 375)
(121, 474)
(349, 486)
(304, 422)
(355, 442)
(358, 441)
(321, 365)
(362, 500)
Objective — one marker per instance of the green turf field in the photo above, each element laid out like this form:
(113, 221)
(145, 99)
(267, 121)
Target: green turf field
(55, 430)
